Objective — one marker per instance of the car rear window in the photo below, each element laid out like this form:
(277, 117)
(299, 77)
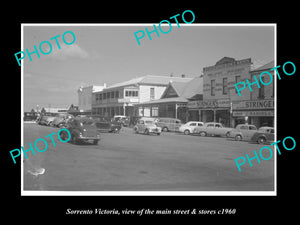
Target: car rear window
(252, 128)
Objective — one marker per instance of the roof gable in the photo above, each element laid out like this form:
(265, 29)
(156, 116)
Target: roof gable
(191, 89)
(170, 92)
(225, 60)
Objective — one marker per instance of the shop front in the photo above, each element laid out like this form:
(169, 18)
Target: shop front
(210, 111)
(259, 112)
(168, 107)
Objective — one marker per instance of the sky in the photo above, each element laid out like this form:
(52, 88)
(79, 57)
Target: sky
(110, 54)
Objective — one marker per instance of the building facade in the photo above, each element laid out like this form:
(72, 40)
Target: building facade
(259, 108)
(85, 97)
(219, 91)
(174, 100)
(120, 98)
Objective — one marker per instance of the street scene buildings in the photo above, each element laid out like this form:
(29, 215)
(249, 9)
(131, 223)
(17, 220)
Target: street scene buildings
(209, 97)
(161, 117)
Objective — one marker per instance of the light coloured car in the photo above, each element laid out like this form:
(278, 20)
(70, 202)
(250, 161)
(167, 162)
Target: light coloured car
(189, 127)
(147, 126)
(243, 132)
(212, 128)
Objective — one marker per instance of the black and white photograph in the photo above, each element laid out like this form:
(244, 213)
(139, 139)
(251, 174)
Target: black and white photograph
(144, 111)
(158, 114)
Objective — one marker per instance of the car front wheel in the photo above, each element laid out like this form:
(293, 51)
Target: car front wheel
(261, 140)
(238, 137)
(165, 129)
(186, 132)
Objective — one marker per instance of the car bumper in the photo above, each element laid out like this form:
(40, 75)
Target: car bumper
(89, 138)
(155, 131)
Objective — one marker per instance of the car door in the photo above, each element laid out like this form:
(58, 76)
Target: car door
(244, 130)
(177, 124)
(192, 126)
(210, 128)
(252, 131)
(218, 129)
(270, 135)
(141, 126)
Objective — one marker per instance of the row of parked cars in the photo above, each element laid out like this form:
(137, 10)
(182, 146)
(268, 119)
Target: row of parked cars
(245, 132)
(82, 128)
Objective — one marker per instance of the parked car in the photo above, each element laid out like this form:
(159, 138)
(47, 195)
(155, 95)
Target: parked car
(168, 124)
(147, 126)
(124, 120)
(61, 120)
(46, 120)
(212, 128)
(189, 127)
(264, 135)
(243, 132)
(82, 129)
(107, 126)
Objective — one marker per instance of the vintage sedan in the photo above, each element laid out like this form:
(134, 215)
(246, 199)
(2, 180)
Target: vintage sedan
(147, 126)
(82, 129)
(189, 127)
(264, 135)
(243, 132)
(212, 128)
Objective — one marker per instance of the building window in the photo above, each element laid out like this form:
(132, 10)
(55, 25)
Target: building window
(108, 95)
(131, 93)
(154, 111)
(152, 94)
(261, 90)
(100, 97)
(225, 86)
(237, 79)
(117, 94)
(104, 96)
(112, 94)
(212, 87)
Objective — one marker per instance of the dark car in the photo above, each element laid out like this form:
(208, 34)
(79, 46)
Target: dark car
(263, 135)
(107, 126)
(82, 129)
(123, 120)
(45, 120)
(61, 120)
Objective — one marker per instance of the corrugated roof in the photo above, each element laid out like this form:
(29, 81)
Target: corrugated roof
(265, 67)
(184, 91)
(192, 88)
(164, 100)
(150, 79)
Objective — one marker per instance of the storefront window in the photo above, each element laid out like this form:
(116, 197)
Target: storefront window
(154, 111)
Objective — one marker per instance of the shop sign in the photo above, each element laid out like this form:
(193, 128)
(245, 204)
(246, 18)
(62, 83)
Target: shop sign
(202, 104)
(259, 104)
(253, 113)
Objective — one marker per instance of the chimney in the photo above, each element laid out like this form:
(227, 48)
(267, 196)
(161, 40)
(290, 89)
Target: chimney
(104, 85)
(183, 75)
